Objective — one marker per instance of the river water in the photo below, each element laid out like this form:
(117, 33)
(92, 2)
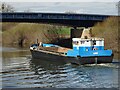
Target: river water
(21, 71)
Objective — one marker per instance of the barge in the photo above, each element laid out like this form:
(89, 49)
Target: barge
(84, 51)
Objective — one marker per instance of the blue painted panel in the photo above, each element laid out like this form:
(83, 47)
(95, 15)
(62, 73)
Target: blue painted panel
(96, 53)
(72, 53)
(85, 48)
(99, 47)
(75, 49)
(91, 48)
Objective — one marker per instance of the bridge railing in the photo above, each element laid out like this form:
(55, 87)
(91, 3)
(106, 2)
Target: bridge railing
(53, 16)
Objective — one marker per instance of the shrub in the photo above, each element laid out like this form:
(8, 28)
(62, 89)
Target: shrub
(109, 31)
(27, 33)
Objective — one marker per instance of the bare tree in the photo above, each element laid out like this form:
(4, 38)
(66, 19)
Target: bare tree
(6, 8)
(118, 8)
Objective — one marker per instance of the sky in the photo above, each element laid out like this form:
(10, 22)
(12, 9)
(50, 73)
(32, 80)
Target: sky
(60, 0)
(106, 7)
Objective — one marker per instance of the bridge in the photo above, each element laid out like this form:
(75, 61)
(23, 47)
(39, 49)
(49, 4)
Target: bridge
(68, 19)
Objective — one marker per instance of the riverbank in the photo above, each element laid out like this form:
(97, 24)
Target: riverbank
(23, 34)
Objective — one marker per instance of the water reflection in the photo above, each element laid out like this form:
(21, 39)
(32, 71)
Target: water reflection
(14, 54)
(67, 75)
(47, 64)
(54, 74)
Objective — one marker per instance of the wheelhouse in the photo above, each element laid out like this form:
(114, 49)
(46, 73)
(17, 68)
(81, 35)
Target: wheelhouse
(88, 44)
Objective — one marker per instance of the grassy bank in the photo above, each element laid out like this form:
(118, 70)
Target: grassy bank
(27, 33)
(109, 31)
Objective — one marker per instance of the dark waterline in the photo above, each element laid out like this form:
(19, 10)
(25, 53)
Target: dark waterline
(20, 71)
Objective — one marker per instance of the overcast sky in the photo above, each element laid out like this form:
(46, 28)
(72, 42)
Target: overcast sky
(87, 7)
(60, 0)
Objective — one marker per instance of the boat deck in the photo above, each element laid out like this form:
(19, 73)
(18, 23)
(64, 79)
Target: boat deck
(54, 50)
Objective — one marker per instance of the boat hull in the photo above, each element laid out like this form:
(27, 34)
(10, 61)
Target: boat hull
(36, 54)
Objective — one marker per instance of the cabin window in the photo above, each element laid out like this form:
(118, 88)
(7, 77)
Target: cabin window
(75, 42)
(82, 42)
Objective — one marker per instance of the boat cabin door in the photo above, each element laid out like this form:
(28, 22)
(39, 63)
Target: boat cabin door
(94, 45)
(97, 44)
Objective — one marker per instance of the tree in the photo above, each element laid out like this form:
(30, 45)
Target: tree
(119, 8)
(6, 8)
